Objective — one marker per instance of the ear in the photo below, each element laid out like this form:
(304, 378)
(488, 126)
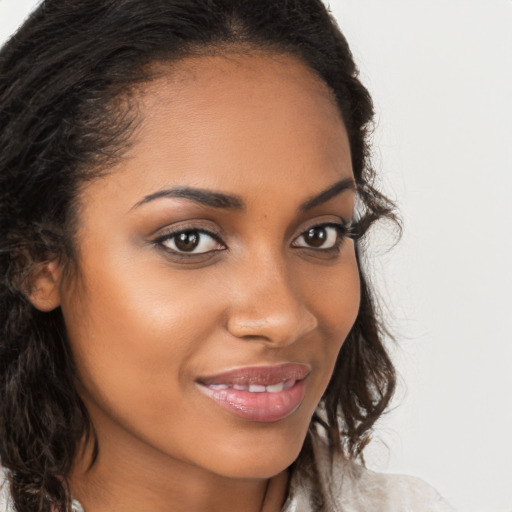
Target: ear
(43, 288)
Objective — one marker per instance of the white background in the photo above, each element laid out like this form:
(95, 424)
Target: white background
(440, 72)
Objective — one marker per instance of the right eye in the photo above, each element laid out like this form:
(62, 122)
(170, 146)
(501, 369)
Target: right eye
(190, 241)
(321, 237)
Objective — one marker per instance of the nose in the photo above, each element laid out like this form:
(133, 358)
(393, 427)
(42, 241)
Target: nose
(268, 306)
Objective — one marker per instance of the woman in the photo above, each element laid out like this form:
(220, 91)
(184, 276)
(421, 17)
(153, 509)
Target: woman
(186, 322)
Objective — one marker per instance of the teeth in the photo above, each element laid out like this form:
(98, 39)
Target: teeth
(255, 388)
(275, 388)
(216, 387)
(288, 384)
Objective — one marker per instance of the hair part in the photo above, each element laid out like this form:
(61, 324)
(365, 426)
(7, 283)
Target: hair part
(68, 110)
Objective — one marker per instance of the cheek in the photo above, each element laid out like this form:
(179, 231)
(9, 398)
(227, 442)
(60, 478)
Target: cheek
(135, 330)
(333, 294)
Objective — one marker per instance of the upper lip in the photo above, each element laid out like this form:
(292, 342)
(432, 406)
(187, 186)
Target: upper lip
(260, 375)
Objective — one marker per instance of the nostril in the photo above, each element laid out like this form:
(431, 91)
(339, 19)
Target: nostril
(271, 328)
(250, 337)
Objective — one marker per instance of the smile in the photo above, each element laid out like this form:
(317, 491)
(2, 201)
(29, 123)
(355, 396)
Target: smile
(261, 393)
(256, 388)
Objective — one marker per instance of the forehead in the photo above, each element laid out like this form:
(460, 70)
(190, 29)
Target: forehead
(235, 122)
(216, 99)
(235, 81)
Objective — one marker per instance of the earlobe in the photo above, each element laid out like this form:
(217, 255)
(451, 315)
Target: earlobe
(43, 287)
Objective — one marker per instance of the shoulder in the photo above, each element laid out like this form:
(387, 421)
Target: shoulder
(371, 491)
(354, 488)
(4, 492)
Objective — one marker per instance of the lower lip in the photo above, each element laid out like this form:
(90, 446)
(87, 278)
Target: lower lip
(263, 407)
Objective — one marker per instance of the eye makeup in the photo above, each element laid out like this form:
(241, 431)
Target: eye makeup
(193, 241)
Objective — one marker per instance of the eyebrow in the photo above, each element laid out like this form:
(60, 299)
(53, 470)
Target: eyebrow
(201, 196)
(326, 195)
(233, 202)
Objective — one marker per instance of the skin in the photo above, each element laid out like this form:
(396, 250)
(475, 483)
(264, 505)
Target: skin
(145, 322)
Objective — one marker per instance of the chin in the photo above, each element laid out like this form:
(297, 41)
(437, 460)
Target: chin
(260, 457)
(262, 466)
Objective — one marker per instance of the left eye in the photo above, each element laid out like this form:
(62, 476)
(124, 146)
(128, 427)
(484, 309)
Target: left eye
(319, 237)
(190, 241)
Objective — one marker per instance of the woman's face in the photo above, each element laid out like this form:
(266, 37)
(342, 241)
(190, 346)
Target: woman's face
(216, 282)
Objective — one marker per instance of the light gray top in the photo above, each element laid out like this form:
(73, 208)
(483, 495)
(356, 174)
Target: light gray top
(349, 487)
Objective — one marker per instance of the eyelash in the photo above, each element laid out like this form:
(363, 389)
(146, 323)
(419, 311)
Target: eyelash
(173, 234)
(343, 231)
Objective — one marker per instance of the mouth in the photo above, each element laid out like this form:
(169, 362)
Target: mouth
(258, 393)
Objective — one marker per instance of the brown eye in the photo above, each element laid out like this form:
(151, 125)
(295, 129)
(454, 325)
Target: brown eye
(319, 237)
(187, 241)
(315, 237)
(192, 241)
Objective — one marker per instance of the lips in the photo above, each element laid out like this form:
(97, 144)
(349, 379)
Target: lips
(259, 393)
